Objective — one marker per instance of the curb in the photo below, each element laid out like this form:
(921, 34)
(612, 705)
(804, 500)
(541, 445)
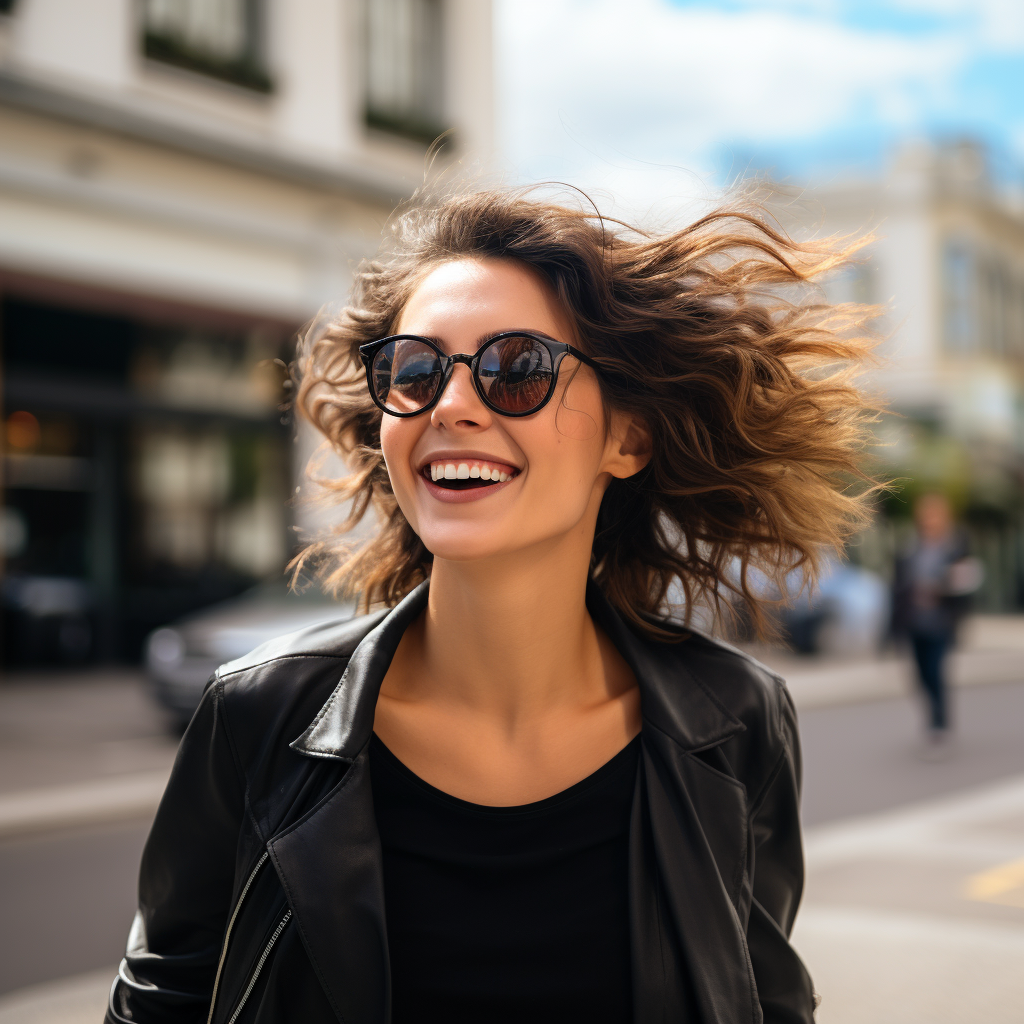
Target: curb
(856, 681)
(83, 803)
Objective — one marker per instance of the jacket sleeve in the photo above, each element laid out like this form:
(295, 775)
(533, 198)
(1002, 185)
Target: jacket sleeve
(185, 882)
(784, 987)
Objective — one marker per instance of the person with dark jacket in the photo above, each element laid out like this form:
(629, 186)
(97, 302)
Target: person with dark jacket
(934, 578)
(523, 788)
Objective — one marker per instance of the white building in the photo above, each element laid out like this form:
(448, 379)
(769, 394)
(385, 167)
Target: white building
(949, 268)
(182, 184)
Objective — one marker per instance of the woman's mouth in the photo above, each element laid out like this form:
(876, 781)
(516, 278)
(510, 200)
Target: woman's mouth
(467, 474)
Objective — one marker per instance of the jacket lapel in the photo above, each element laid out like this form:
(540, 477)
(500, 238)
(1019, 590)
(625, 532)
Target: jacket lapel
(343, 726)
(330, 866)
(688, 842)
(329, 861)
(674, 869)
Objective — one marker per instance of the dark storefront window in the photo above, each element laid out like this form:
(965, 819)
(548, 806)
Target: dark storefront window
(145, 475)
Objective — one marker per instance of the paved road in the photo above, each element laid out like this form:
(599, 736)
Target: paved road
(68, 899)
(57, 728)
(69, 895)
(864, 758)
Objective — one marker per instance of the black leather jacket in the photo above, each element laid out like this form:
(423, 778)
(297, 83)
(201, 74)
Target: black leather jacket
(261, 884)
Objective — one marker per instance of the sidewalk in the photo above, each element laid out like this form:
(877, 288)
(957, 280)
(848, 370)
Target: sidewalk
(917, 916)
(991, 650)
(78, 1000)
(60, 728)
(80, 748)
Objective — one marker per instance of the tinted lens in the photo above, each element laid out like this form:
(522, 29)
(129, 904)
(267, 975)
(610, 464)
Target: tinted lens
(515, 373)
(406, 374)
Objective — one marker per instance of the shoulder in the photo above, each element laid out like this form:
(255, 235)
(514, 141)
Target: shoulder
(745, 688)
(276, 690)
(745, 685)
(326, 640)
(713, 694)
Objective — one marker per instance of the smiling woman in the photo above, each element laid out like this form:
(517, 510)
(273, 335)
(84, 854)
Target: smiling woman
(521, 790)
(748, 397)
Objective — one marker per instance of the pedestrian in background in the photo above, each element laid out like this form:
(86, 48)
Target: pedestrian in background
(933, 581)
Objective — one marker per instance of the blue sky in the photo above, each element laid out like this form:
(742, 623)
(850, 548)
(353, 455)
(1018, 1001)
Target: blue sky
(637, 97)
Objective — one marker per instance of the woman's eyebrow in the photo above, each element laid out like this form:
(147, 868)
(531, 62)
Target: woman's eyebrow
(490, 336)
(513, 330)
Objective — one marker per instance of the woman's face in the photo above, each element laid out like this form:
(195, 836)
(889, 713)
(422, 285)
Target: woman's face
(548, 471)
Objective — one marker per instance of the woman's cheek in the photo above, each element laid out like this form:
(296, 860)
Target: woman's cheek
(397, 452)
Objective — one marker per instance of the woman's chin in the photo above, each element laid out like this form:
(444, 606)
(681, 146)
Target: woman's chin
(471, 541)
(465, 549)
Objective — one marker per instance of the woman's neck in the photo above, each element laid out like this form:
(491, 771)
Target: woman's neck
(503, 691)
(511, 641)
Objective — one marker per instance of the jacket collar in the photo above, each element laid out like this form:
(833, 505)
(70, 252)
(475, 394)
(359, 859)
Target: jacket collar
(343, 725)
(673, 699)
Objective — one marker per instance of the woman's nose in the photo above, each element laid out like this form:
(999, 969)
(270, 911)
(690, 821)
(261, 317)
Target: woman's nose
(460, 404)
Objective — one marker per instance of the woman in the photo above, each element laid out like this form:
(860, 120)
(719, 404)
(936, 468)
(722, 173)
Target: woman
(579, 809)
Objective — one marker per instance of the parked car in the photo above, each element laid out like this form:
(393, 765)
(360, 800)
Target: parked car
(847, 613)
(181, 658)
(46, 620)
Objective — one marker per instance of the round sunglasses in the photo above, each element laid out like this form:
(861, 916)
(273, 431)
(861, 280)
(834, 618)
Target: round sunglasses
(514, 372)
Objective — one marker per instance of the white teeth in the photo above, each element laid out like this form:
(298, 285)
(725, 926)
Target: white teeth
(465, 471)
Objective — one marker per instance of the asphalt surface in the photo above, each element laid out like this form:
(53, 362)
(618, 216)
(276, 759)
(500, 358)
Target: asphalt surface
(57, 728)
(69, 895)
(68, 898)
(864, 758)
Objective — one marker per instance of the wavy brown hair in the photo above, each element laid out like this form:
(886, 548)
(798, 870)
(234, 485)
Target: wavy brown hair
(709, 334)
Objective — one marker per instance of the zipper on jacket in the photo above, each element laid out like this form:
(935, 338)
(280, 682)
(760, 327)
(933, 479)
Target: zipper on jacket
(259, 966)
(227, 933)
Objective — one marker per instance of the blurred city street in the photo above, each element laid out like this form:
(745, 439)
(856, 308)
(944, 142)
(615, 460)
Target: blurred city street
(914, 909)
(187, 185)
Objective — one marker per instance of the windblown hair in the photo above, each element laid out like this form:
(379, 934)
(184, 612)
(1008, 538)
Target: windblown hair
(710, 335)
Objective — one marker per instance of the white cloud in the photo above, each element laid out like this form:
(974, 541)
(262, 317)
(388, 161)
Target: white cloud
(618, 94)
(994, 24)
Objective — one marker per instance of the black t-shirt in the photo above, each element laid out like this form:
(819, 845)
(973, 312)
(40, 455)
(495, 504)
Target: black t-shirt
(499, 914)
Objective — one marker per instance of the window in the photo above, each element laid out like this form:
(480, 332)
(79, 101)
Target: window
(404, 67)
(853, 284)
(958, 282)
(997, 303)
(220, 38)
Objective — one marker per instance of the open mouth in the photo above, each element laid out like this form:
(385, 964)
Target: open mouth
(457, 475)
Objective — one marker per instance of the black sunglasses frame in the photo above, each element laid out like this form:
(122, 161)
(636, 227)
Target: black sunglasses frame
(558, 350)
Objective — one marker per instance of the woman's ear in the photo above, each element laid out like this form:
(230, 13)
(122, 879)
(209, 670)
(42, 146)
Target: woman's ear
(629, 448)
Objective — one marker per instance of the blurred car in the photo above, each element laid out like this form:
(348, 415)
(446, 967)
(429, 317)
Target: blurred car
(181, 657)
(847, 613)
(46, 620)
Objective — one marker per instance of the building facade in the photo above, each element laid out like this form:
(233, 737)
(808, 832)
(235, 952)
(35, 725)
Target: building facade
(948, 270)
(183, 183)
